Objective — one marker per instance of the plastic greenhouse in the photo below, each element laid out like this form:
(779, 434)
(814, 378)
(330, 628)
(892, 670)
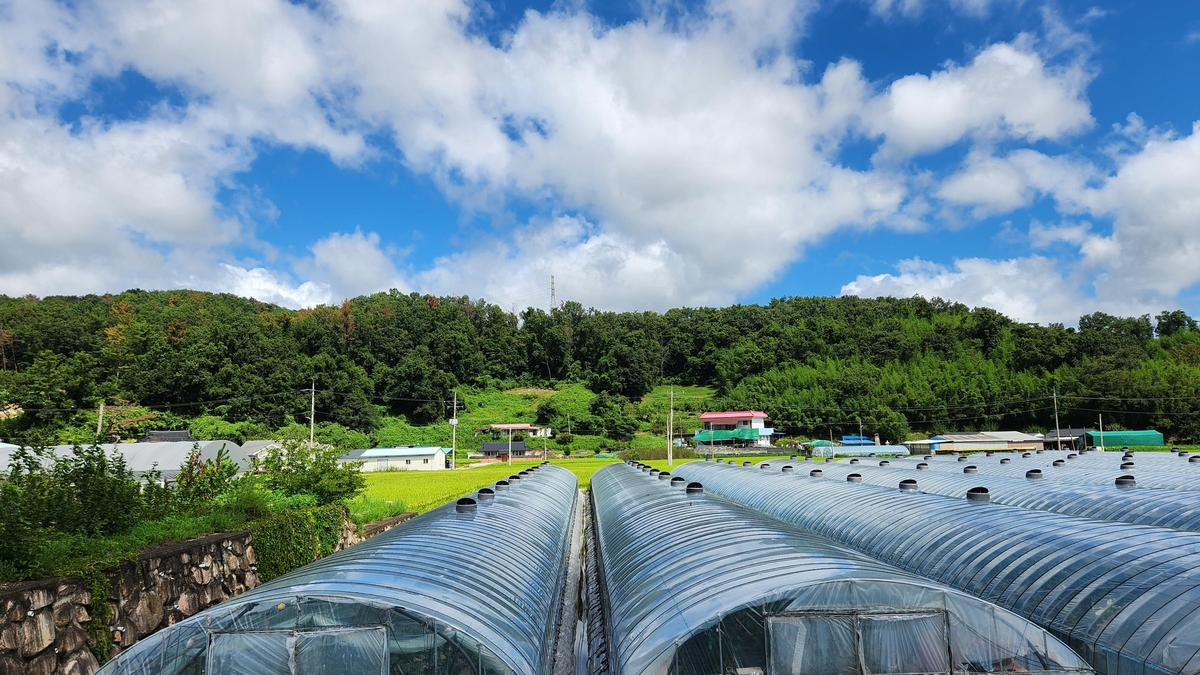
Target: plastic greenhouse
(466, 589)
(1123, 502)
(696, 585)
(1066, 471)
(1126, 597)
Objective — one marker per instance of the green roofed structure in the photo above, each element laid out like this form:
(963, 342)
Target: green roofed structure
(1109, 439)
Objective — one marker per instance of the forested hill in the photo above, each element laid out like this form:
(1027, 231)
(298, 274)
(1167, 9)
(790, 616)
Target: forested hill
(816, 365)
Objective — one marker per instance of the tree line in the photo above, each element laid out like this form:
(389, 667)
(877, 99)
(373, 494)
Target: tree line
(818, 365)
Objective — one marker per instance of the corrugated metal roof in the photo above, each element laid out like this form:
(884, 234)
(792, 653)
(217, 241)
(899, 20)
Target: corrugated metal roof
(736, 415)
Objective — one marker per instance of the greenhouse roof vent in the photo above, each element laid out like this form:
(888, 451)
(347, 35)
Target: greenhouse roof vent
(1072, 456)
(978, 494)
(764, 466)
(678, 481)
(854, 478)
(654, 473)
(747, 463)
(465, 505)
(816, 473)
(962, 458)
(1006, 460)
(971, 469)
(787, 469)
(501, 485)
(922, 467)
(1125, 481)
(664, 475)
(486, 494)
(1060, 462)
(694, 489)
(1125, 466)
(908, 485)
(1033, 474)
(854, 461)
(885, 463)
(514, 480)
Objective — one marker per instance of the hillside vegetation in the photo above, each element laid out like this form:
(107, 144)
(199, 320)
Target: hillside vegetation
(387, 365)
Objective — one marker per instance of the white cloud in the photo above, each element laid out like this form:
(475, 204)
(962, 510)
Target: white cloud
(1007, 90)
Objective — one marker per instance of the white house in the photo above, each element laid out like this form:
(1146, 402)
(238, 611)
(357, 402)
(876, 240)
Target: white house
(408, 458)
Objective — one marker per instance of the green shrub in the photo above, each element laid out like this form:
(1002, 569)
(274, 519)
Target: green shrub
(296, 468)
(201, 480)
(564, 439)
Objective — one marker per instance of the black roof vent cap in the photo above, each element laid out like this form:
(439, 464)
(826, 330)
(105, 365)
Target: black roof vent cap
(654, 473)
(1059, 462)
(922, 467)
(747, 463)
(1006, 460)
(1125, 481)
(514, 480)
(816, 473)
(1195, 459)
(978, 494)
(708, 459)
(1127, 465)
(854, 461)
(501, 485)
(1038, 451)
(646, 469)
(927, 457)
(989, 453)
(664, 475)
(793, 457)
(694, 489)
(1128, 455)
(971, 469)
(720, 461)
(871, 455)
(1072, 456)
(854, 478)
(465, 505)
(485, 494)
(764, 465)
(908, 485)
(885, 463)
(678, 481)
(787, 469)
(1033, 474)
(962, 458)
(1025, 455)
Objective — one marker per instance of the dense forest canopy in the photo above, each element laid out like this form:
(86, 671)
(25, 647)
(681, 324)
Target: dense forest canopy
(816, 365)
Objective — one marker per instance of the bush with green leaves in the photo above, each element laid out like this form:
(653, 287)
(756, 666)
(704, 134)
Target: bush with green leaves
(297, 468)
(201, 480)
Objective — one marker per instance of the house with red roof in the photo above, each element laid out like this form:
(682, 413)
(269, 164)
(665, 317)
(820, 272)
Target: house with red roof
(740, 428)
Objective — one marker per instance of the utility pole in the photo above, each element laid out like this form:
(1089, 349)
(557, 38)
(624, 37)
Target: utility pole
(1057, 431)
(553, 300)
(568, 424)
(1101, 432)
(312, 412)
(100, 419)
(510, 447)
(453, 431)
(671, 429)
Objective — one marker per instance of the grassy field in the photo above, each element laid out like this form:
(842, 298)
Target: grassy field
(392, 492)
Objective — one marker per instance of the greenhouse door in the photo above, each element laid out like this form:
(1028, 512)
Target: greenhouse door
(322, 651)
(859, 643)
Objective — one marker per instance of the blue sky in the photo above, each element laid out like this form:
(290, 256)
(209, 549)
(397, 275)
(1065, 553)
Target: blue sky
(1036, 157)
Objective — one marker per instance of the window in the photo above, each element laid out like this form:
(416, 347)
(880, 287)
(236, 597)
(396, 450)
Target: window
(408, 461)
(425, 460)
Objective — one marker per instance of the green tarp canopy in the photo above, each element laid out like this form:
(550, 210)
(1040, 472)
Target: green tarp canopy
(1118, 438)
(821, 444)
(729, 435)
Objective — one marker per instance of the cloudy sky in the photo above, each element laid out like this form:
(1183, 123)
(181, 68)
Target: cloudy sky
(1042, 158)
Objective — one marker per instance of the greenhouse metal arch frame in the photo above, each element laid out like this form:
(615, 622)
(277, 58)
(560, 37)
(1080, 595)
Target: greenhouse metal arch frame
(1126, 597)
(472, 586)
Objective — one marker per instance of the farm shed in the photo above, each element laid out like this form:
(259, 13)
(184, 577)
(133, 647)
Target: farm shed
(411, 458)
(695, 585)
(1111, 439)
(1125, 597)
(466, 589)
(166, 457)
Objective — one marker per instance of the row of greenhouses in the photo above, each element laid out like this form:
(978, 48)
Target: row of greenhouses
(780, 568)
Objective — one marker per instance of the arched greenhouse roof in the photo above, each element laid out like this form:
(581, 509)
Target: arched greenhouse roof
(1066, 473)
(1126, 597)
(471, 588)
(143, 457)
(693, 585)
(1128, 504)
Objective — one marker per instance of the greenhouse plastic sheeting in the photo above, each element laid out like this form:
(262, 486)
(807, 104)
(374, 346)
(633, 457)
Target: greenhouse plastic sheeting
(1168, 462)
(447, 593)
(1068, 473)
(858, 450)
(695, 585)
(1163, 508)
(1126, 597)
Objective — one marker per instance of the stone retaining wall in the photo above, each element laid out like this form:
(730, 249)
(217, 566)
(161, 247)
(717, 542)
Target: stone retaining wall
(43, 623)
